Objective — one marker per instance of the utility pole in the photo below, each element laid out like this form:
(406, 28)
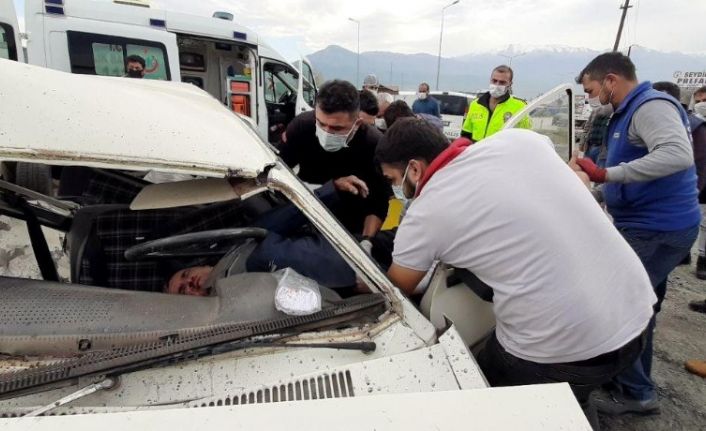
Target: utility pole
(357, 61)
(441, 36)
(625, 8)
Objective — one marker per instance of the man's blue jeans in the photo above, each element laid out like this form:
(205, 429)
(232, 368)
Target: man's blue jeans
(310, 254)
(660, 253)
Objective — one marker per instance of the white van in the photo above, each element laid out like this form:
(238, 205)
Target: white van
(454, 107)
(216, 54)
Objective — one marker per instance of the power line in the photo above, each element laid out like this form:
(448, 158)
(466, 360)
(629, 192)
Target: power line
(625, 8)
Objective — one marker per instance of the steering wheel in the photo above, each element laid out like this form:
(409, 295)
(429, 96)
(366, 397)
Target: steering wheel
(198, 244)
(288, 97)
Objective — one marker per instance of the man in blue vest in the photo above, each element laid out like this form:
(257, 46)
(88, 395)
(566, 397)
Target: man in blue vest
(650, 191)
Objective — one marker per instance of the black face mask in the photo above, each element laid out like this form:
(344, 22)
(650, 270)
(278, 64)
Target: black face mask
(132, 73)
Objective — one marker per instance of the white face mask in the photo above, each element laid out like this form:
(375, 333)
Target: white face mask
(594, 102)
(398, 190)
(332, 142)
(497, 91)
(422, 96)
(700, 109)
(380, 123)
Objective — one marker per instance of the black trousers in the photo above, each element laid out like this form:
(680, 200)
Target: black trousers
(503, 369)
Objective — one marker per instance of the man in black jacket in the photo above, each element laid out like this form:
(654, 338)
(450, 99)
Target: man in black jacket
(333, 144)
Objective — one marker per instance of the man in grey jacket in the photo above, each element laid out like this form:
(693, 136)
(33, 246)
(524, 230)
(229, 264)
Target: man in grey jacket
(650, 191)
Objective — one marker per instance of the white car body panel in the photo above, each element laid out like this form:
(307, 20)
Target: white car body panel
(496, 409)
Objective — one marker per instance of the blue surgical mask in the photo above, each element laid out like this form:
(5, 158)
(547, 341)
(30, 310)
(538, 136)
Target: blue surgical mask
(398, 190)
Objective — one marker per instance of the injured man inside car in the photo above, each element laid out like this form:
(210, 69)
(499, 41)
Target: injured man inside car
(185, 249)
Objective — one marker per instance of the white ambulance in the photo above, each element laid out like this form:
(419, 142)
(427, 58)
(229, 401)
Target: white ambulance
(216, 54)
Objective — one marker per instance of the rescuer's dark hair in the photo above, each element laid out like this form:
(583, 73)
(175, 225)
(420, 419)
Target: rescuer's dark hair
(410, 138)
(616, 63)
(338, 96)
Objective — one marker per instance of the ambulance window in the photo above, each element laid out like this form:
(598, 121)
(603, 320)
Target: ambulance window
(97, 54)
(155, 67)
(275, 89)
(108, 59)
(7, 42)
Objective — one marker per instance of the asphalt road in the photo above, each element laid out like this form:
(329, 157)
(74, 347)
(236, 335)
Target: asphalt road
(681, 335)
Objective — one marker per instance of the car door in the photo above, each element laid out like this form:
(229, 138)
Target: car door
(10, 47)
(552, 114)
(279, 89)
(306, 88)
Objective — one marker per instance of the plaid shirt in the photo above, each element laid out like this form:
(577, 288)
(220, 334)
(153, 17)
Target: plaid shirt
(114, 232)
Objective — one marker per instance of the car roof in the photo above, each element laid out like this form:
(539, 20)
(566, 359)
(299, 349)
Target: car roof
(451, 93)
(54, 117)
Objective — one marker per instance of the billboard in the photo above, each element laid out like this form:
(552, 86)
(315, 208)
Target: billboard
(687, 79)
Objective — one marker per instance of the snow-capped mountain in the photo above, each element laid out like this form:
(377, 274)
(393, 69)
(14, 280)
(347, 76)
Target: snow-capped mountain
(537, 68)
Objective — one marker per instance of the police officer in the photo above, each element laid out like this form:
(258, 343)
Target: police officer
(491, 110)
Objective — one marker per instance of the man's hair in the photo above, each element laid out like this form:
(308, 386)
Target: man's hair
(611, 62)
(397, 109)
(385, 98)
(135, 59)
(425, 84)
(371, 80)
(668, 87)
(700, 90)
(369, 103)
(338, 96)
(410, 138)
(504, 69)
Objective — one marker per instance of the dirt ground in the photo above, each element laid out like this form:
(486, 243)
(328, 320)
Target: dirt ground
(681, 335)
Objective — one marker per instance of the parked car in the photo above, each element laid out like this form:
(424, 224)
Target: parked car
(70, 348)
(454, 107)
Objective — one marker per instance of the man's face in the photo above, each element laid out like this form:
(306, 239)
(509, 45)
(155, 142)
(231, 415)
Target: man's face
(190, 281)
(135, 69)
(601, 89)
(338, 123)
(501, 78)
(699, 97)
(407, 177)
(373, 88)
(423, 89)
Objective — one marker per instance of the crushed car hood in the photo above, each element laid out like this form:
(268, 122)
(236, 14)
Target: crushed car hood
(62, 118)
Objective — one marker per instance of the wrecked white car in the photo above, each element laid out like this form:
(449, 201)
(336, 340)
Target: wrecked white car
(94, 344)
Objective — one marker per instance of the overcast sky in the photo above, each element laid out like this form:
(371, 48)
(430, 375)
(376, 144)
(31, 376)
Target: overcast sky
(406, 26)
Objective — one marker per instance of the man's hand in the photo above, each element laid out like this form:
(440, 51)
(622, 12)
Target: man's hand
(573, 161)
(595, 174)
(583, 176)
(352, 184)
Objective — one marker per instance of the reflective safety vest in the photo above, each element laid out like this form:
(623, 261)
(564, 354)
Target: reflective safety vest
(478, 124)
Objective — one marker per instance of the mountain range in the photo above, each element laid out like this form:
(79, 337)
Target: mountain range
(537, 69)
